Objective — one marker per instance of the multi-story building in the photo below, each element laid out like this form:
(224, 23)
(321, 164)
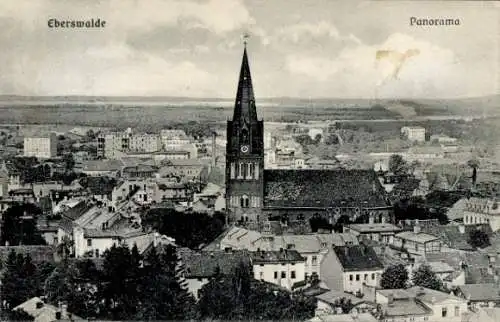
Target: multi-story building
(414, 133)
(174, 139)
(349, 268)
(417, 242)
(41, 147)
(114, 144)
(283, 267)
(482, 211)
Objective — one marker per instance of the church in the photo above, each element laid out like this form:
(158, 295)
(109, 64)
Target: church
(256, 194)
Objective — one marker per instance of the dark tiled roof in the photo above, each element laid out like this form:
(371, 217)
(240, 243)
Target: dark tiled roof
(358, 258)
(98, 185)
(77, 211)
(45, 204)
(204, 264)
(322, 188)
(405, 188)
(140, 168)
(263, 257)
(481, 292)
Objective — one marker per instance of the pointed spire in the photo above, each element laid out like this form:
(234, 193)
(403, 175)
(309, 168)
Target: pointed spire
(244, 107)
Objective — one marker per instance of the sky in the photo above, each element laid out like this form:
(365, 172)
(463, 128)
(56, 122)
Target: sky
(297, 48)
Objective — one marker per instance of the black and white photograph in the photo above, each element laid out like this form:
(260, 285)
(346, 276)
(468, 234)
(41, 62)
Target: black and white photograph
(245, 160)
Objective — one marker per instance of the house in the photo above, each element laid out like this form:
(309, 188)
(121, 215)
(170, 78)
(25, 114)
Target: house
(455, 236)
(285, 268)
(483, 314)
(444, 306)
(44, 312)
(313, 247)
(401, 305)
(380, 232)
(420, 304)
(96, 168)
(416, 242)
(200, 267)
(328, 302)
(480, 295)
(347, 268)
(482, 210)
(140, 171)
(353, 317)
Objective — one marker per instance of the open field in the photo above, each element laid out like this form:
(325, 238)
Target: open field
(154, 112)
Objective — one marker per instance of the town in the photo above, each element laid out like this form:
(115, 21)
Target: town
(260, 220)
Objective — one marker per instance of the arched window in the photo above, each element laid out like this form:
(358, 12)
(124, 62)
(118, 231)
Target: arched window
(244, 201)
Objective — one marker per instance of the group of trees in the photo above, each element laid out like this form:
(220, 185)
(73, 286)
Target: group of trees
(238, 296)
(478, 239)
(130, 286)
(188, 229)
(18, 226)
(396, 277)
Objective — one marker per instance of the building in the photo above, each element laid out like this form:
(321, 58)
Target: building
(114, 144)
(173, 139)
(441, 138)
(41, 147)
(480, 295)
(382, 232)
(43, 312)
(480, 211)
(420, 304)
(284, 267)
(349, 268)
(417, 242)
(252, 193)
(413, 133)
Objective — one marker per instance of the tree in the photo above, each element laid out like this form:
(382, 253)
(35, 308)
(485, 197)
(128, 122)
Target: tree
(344, 304)
(474, 164)
(69, 162)
(17, 280)
(19, 225)
(237, 296)
(425, 277)
(478, 239)
(397, 164)
(394, 276)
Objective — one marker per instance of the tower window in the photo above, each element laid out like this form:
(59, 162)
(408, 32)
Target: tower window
(233, 172)
(240, 171)
(244, 201)
(250, 171)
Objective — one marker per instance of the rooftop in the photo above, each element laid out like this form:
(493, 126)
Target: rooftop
(417, 237)
(481, 292)
(378, 227)
(205, 264)
(322, 188)
(262, 257)
(358, 258)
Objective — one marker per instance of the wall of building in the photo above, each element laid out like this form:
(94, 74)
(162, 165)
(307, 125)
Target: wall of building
(332, 271)
(450, 305)
(267, 271)
(354, 280)
(43, 148)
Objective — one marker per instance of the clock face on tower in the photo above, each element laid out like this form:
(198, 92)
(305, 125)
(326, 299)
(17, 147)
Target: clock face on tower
(244, 148)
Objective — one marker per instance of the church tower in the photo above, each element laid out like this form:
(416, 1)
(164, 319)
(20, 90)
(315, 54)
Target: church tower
(245, 153)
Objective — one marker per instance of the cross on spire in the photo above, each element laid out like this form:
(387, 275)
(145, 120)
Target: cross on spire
(246, 36)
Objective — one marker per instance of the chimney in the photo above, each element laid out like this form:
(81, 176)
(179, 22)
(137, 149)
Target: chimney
(461, 229)
(416, 228)
(214, 154)
(390, 299)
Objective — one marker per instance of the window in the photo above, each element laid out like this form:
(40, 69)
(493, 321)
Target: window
(457, 310)
(89, 242)
(97, 253)
(426, 318)
(444, 312)
(261, 275)
(366, 277)
(293, 274)
(357, 277)
(256, 172)
(240, 171)
(244, 201)
(350, 277)
(283, 274)
(373, 276)
(315, 260)
(275, 275)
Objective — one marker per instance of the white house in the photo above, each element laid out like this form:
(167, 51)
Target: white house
(284, 268)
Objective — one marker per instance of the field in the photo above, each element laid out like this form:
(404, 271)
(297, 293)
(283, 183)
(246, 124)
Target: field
(154, 113)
